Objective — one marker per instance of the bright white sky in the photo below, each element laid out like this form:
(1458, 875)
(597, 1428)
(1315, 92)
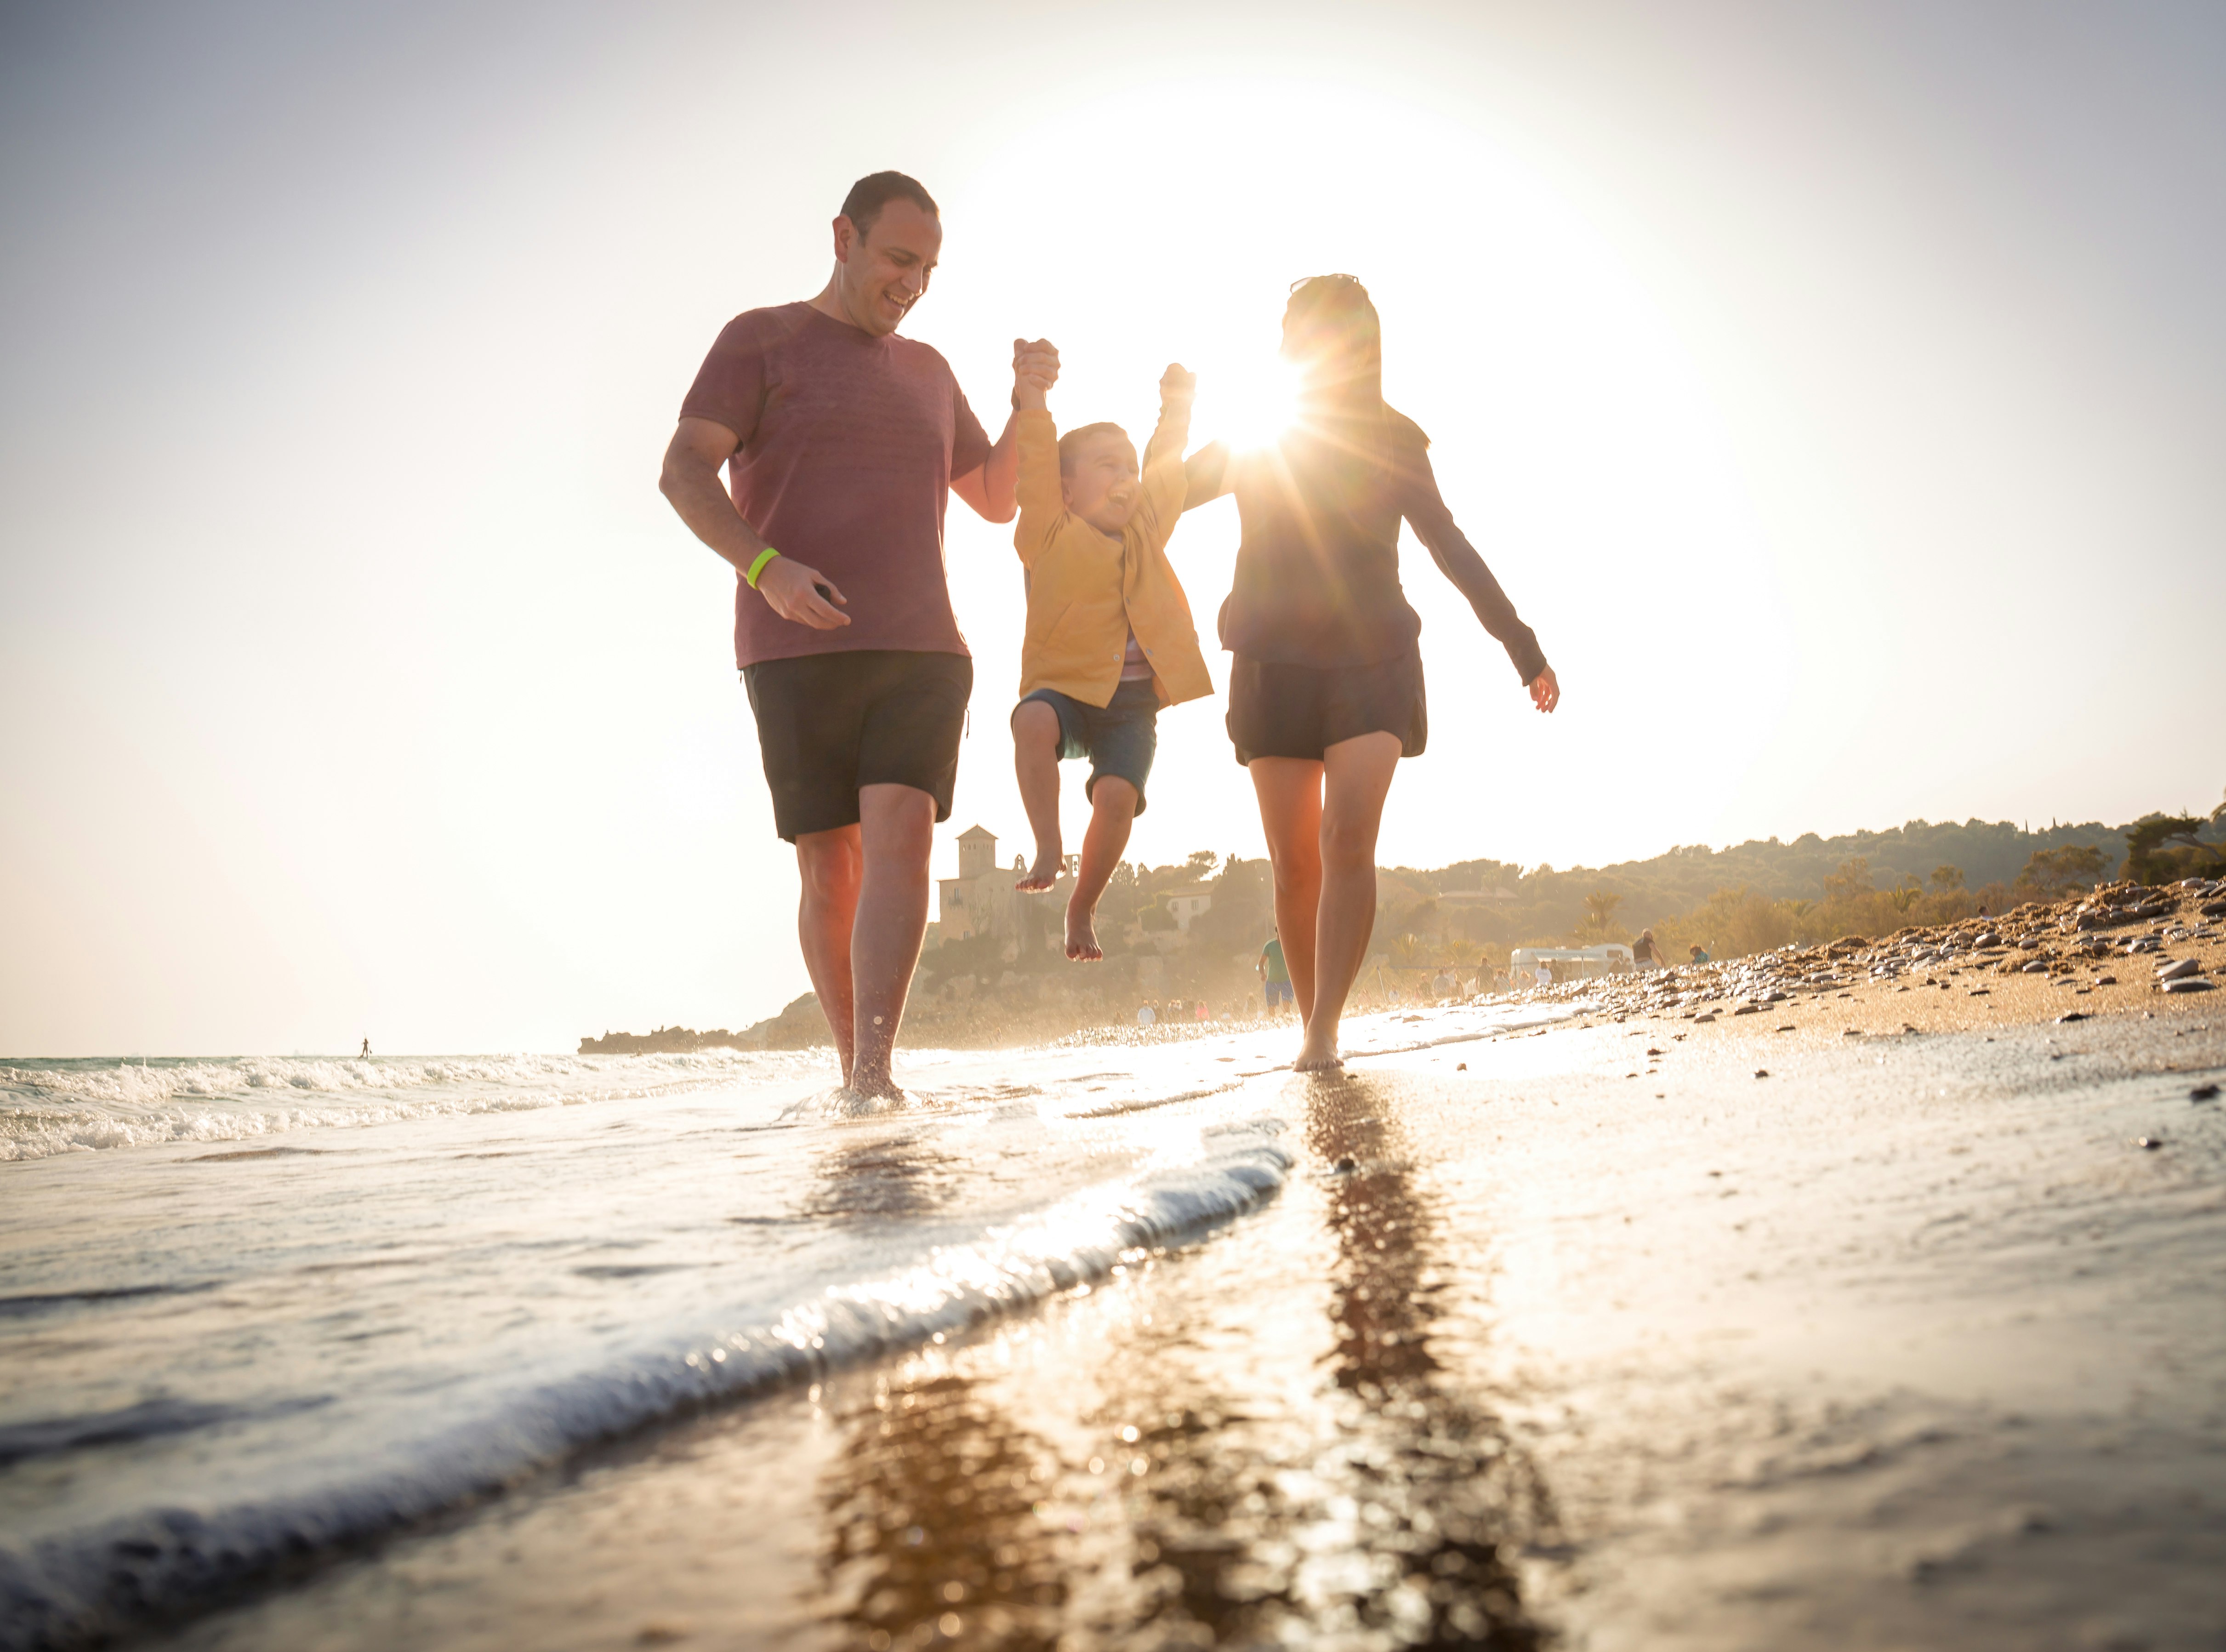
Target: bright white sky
(1840, 392)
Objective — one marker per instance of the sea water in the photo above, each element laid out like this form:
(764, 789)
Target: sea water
(254, 1309)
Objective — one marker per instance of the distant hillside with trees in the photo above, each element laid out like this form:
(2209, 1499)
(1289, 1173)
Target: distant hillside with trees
(1161, 945)
(1764, 893)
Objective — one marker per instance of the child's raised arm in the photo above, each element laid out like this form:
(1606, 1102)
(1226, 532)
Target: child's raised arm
(1038, 491)
(1161, 502)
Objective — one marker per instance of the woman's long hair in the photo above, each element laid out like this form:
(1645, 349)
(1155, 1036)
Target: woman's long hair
(1333, 336)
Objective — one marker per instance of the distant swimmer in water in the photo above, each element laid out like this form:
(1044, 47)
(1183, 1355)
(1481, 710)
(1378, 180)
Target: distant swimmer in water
(366, 1056)
(1108, 639)
(1326, 687)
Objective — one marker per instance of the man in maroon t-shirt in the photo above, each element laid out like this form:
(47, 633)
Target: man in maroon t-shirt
(841, 440)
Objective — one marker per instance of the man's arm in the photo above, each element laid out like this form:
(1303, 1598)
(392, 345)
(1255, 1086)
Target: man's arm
(989, 487)
(690, 480)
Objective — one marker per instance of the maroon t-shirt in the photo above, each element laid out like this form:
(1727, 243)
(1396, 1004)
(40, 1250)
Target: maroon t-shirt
(849, 444)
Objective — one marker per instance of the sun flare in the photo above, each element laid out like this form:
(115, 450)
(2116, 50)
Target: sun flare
(1253, 408)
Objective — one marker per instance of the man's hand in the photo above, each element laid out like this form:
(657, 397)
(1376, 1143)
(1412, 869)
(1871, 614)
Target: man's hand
(1178, 387)
(791, 590)
(1035, 370)
(1545, 690)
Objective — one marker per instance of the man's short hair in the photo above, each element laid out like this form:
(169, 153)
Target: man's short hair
(1072, 442)
(876, 190)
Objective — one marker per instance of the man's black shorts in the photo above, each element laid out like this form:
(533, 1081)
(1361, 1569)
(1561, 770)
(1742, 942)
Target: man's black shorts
(831, 723)
(1280, 710)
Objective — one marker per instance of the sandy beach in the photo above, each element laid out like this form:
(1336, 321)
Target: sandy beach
(1586, 1336)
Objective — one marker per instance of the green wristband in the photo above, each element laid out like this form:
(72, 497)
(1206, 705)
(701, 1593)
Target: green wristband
(759, 566)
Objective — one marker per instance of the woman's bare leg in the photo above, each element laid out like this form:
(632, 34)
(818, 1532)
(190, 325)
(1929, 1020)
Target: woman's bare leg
(1290, 793)
(1355, 778)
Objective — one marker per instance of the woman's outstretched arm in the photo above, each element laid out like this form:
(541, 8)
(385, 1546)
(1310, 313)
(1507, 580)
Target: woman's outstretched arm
(1206, 474)
(1424, 508)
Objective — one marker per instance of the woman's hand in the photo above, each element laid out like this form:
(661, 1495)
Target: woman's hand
(1545, 690)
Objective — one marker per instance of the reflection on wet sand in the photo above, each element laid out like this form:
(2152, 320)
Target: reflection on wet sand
(1379, 1518)
(931, 1528)
(1240, 1485)
(889, 1177)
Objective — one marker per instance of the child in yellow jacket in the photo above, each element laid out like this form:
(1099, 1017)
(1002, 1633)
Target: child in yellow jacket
(1110, 637)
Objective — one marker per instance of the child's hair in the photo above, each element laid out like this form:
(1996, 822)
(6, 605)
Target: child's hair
(1071, 444)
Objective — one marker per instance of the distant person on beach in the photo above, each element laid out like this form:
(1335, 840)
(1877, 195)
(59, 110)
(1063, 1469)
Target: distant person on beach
(1695, 954)
(1146, 1015)
(366, 1056)
(1109, 638)
(1274, 972)
(842, 441)
(1326, 688)
(1646, 952)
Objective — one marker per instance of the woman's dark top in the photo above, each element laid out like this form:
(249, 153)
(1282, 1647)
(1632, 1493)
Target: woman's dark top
(1318, 569)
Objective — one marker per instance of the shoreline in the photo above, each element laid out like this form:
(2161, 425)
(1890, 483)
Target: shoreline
(1704, 1362)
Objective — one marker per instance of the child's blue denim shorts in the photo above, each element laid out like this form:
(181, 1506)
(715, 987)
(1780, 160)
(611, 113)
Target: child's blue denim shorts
(1119, 738)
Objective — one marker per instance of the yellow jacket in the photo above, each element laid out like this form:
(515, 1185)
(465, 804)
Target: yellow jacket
(1087, 590)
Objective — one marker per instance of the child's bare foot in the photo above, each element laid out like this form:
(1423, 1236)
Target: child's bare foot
(1082, 935)
(1045, 873)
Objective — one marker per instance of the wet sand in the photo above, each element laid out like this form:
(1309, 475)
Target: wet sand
(1607, 1341)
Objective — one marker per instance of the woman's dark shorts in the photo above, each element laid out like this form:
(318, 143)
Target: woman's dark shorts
(831, 723)
(1279, 710)
(1120, 739)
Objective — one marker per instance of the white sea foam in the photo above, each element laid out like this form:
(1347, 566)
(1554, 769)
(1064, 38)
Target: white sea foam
(52, 1107)
(335, 1470)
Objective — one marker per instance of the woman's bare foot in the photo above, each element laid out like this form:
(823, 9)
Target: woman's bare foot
(1082, 935)
(1318, 1056)
(1045, 873)
(873, 1086)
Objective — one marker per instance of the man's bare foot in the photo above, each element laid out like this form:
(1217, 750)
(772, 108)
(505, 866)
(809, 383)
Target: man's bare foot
(1317, 1058)
(1044, 874)
(1082, 935)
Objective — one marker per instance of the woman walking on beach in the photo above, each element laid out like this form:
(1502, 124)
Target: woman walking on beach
(1326, 689)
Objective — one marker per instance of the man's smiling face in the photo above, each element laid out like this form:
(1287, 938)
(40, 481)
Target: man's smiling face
(883, 273)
